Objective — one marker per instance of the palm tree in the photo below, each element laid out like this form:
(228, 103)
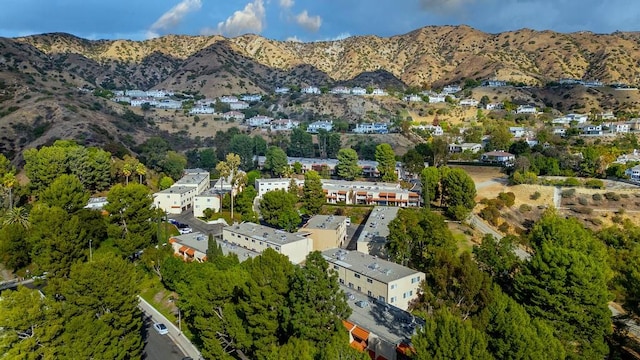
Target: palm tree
(17, 215)
(233, 162)
(9, 181)
(141, 170)
(127, 169)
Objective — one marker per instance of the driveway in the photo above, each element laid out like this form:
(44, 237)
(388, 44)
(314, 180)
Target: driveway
(198, 225)
(156, 346)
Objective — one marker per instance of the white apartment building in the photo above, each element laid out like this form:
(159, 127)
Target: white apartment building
(369, 167)
(379, 279)
(258, 238)
(373, 237)
(316, 126)
(197, 178)
(175, 199)
(208, 199)
(326, 231)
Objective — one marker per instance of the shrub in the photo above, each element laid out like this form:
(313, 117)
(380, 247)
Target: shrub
(611, 196)
(535, 196)
(504, 227)
(582, 210)
(571, 182)
(508, 198)
(490, 214)
(624, 196)
(583, 201)
(525, 208)
(596, 197)
(568, 193)
(594, 184)
(596, 221)
(617, 219)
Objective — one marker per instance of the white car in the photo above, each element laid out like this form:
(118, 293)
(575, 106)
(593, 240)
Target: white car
(161, 328)
(186, 230)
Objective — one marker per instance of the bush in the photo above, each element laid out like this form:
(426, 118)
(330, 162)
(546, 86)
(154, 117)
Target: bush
(611, 196)
(568, 193)
(508, 198)
(583, 201)
(490, 214)
(596, 221)
(596, 197)
(594, 184)
(582, 210)
(617, 219)
(571, 182)
(525, 208)
(504, 227)
(624, 196)
(535, 196)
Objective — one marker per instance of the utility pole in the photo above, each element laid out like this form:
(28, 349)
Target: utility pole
(90, 251)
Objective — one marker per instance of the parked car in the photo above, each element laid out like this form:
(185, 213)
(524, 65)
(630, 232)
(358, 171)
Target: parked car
(362, 303)
(173, 221)
(185, 230)
(161, 328)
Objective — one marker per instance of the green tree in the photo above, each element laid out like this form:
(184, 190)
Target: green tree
(67, 193)
(565, 283)
(278, 208)
(9, 182)
(386, 159)
(173, 164)
(165, 182)
(413, 162)
(447, 337)
(130, 208)
(259, 145)
(45, 165)
(243, 145)
(103, 295)
(496, 256)
(24, 327)
(153, 153)
(244, 203)
(316, 303)
(430, 179)
(208, 159)
(347, 167)
(499, 139)
(301, 144)
(312, 194)
(329, 144)
(458, 193)
(15, 250)
(276, 161)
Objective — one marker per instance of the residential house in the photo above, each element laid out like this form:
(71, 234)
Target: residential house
(412, 98)
(498, 157)
(340, 90)
(437, 98)
(233, 115)
(459, 148)
(608, 115)
(251, 97)
(559, 131)
(570, 119)
(379, 92)
(310, 90)
(625, 158)
(122, 99)
(238, 105)
(136, 93)
(451, 89)
(374, 233)
(436, 130)
(588, 129)
(326, 231)
(517, 132)
(282, 90)
(259, 121)
(618, 127)
(316, 126)
(494, 106)
(258, 238)
(228, 99)
(169, 104)
(371, 128)
(633, 173)
(526, 109)
(494, 83)
(141, 101)
(190, 247)
(358, 91)
(379, 279)
(202, 110)
(96, 203)
(284, 125)
(369, 167)
(469, 102)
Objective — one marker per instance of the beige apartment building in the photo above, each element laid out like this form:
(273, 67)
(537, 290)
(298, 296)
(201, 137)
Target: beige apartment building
(175, 199)
(379, 279)
(256, 237)
(326, 231)
(373, 237)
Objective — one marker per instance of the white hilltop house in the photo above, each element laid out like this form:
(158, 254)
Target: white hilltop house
(340, 90)
(469, 102)
(310, 90)
(251, 97)
(233, 115)
(228, 99)
(282, 90)
(379, 92)
(259, 121)
(358, 91)
(526, 109)
(436, 130)
(570, 118)
(202, 110)
(284, 124)
(316, 126)
(238, 105)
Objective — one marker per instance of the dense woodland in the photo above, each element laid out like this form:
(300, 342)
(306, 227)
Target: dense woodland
(482, 304)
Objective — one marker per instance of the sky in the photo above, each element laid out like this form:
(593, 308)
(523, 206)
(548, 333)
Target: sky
(307, 20)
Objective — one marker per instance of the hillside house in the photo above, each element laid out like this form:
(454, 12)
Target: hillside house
(379, 92)
(526, 109)
(310, 90)
(259, 121)
(228, 99)
(282, 90)
(251, 97)
(340, 90)
(233, 115)
(469, 102)
(358, 91)
(517, 132)
(436, 130)
(316, 126)
(412, 98)
(238, 105)
(199, 110)
(459, 148)
(570, 118)
(284, 125)
(371, 128)
(451, 89)
(498, 157)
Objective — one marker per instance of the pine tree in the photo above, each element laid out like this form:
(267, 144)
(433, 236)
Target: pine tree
(313, 196)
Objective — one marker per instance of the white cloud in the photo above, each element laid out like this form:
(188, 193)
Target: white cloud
(251, 19)
(293, 39)
(311, 23)
(174, 16)
(286, 4)
(443, 5)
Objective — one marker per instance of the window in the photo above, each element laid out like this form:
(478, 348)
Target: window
(341, 281)
(369, 292)
(359, 288)
(393, 286)
(415, 279)
(351, 285)
(260, 242)
(253, 240)
(357, 276)
(370, 281)
(335, 267)
(278, 248)
(381, 298)
(393, 299)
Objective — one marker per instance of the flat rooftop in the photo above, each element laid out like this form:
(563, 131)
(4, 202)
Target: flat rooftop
(368, 265)
(265, 233)
(212, 191)
(199, 242)
(388, 322)
(192, 179)
(176, 190)
(376, 229)
(328, 222)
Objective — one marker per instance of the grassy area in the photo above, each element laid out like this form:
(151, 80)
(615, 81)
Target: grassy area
(160, 298)
(357, 213)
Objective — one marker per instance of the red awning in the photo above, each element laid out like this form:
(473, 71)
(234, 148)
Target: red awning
(190, 252)
(360, 333)
(182, 249)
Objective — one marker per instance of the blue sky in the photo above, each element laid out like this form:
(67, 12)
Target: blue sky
(307, 20)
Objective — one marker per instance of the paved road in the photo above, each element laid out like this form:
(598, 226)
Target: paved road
(185, 346)
(158, 347)
(198, 225)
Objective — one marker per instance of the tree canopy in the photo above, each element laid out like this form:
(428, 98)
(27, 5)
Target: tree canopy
(278, 208)
(386, 159)
(312, 194)
(347, 167)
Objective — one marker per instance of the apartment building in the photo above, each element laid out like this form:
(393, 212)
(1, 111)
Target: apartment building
(369, 167)
(379, 279)
(208, 199)
(190, 247)
(350, 192)
(373, 237)
(196, 178)
(327, 231)
(175, 199)
(257, 238)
